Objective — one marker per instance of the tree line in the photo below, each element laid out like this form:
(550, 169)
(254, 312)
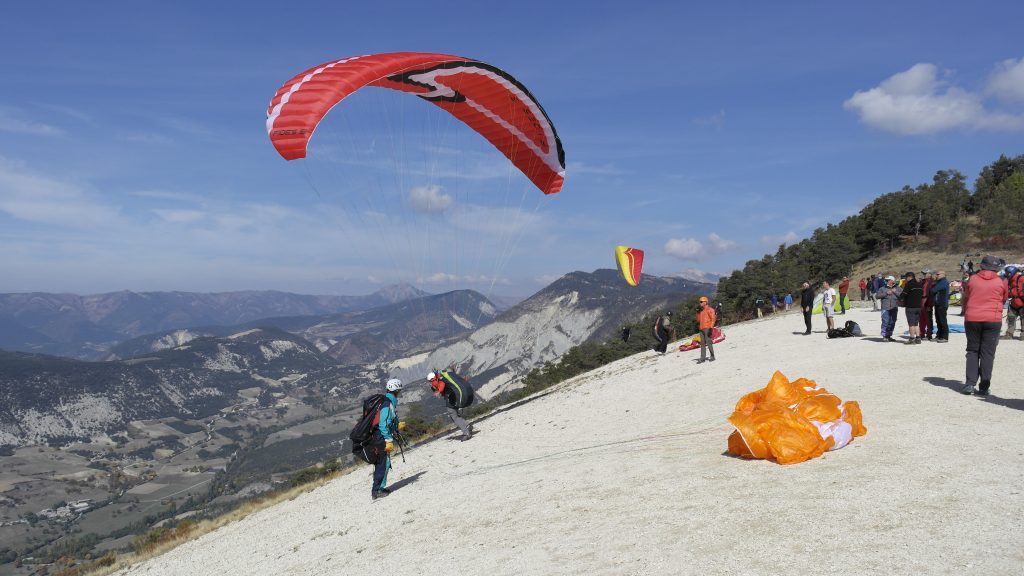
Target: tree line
(942, 215)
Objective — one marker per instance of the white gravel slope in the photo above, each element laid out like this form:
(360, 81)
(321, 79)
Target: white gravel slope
(622, 471)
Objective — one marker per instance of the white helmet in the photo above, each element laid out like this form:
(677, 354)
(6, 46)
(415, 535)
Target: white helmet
(431, 376)
(394, 385)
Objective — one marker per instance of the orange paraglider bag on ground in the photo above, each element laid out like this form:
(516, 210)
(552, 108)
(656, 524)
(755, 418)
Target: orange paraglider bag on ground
(791, 422)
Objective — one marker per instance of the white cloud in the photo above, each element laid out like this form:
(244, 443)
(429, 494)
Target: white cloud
(1007, 82)
(180, 216)
(13, 121)
(36, 198)
(576, 168)
(917, 102)
(770, 241)
(716, 120)
(429, 199)
(684, 249)
(694, 250)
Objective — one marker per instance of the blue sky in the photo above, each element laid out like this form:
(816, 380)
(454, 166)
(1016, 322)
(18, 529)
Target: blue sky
(134, 155)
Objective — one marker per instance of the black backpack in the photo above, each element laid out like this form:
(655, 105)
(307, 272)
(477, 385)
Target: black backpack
(362, 434)
(853, 328)
(457, 389)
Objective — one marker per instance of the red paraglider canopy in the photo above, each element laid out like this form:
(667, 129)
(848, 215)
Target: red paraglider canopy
(487, 99)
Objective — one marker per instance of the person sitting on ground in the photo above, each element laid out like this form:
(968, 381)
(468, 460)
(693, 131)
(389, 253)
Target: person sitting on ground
(458, 393)
(986, 295)
(705, 322)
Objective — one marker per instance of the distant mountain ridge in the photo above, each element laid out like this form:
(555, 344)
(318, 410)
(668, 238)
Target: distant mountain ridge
(577, 307)
(85, 326)
(52, 399)
(359, 337)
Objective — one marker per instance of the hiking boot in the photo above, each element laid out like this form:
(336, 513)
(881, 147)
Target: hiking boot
(917, 340)
(380, 493)
(983, 388)
(712, 359)
(941, 340)
(1008, 336)
(464, 437)
(967, 390)
(701, 361)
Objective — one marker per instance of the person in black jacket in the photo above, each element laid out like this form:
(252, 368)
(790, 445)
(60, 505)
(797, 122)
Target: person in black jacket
(911, 297)
(939, 292)
(806, 304)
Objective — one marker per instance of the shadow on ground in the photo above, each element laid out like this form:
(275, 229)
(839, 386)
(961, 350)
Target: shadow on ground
(406, 481)
(957, 385)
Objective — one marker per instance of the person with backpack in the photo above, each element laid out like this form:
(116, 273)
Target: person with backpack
(720, 312)
(705, 322)
(939, 293)
(1015, 311)
(385, 435)
(663, 332)
(457, 392)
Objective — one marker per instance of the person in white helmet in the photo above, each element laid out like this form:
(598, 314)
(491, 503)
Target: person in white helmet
(457, 392)
(384, 433)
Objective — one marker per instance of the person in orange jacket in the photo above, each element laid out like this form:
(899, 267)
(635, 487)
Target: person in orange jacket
(705, 322)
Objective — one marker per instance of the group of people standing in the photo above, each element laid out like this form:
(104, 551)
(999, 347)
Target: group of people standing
(987, 291)
(925, 303)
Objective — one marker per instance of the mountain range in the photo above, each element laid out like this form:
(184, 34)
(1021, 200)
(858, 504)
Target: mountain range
(85, 327)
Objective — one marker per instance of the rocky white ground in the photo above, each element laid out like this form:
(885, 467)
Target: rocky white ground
(623, 471)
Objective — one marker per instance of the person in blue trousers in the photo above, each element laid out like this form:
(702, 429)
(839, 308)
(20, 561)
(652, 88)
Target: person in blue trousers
(384, 438)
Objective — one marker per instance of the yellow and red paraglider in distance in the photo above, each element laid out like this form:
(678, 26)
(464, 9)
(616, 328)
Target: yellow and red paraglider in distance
(631, 262)
(791, 422)
(487, 99)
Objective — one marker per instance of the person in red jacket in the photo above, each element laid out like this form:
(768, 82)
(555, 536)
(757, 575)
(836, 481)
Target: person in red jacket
(705, 322)
(863, 285)
(844, 287)
(986, 294)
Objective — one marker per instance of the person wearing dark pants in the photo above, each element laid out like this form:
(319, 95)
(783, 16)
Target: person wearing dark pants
(939, 292)
(986, 294)
(706, 323)
(806, 303)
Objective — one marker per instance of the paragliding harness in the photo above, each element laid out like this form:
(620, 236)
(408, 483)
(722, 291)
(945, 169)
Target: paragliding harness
(1017, 292)
(661, 335)
(364, 446)
(457, 390)
(850, 329)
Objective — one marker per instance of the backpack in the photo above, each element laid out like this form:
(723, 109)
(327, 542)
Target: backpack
(853, 328)
(461, 392)
(362, 433)
(1017, 291)
(839, 333)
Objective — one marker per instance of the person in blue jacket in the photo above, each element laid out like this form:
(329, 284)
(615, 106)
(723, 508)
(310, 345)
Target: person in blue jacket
(385, 434)
(939, 291)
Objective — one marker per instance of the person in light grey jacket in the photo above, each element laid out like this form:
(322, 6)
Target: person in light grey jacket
(888, 296)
